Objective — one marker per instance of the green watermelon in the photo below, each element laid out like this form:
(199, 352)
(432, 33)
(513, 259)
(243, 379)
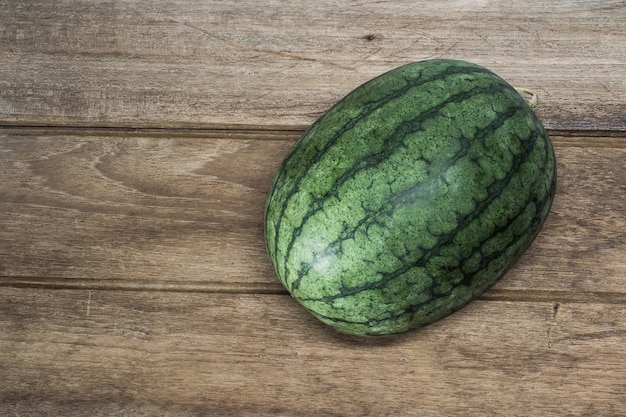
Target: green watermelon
(409, 198)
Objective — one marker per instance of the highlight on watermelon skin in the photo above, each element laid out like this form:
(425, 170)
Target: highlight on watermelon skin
(409, 198)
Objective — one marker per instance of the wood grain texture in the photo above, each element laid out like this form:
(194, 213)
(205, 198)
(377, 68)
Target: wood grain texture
(109, 353)
(188, 211)
(210, 63)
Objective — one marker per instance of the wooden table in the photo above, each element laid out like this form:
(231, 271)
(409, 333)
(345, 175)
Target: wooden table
(137, 144)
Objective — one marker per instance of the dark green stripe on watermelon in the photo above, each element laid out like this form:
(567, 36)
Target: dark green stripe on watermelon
(409, 198)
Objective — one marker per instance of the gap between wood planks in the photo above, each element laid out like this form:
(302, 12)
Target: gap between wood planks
(277, 289)
(560, 138)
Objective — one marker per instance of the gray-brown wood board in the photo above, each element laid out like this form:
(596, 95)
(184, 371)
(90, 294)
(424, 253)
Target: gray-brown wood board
(199, 63)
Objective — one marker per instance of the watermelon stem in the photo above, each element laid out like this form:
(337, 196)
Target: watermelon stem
(534, 99)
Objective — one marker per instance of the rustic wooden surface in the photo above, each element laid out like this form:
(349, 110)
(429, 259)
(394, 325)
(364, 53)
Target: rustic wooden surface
(137, 144)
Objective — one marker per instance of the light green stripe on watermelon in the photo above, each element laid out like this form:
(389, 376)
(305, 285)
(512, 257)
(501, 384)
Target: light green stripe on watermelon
(410, 197)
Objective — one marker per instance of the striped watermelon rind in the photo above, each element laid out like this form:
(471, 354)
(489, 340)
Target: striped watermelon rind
(409, 198)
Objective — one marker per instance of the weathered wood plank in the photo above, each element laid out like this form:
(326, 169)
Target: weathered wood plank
(77, 353)
(143, 208)
(186, 213)
(206, 63)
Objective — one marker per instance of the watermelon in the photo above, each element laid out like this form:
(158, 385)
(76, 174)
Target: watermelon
(409, 198)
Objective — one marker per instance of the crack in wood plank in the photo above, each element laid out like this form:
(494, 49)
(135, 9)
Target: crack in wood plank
(242, 47)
